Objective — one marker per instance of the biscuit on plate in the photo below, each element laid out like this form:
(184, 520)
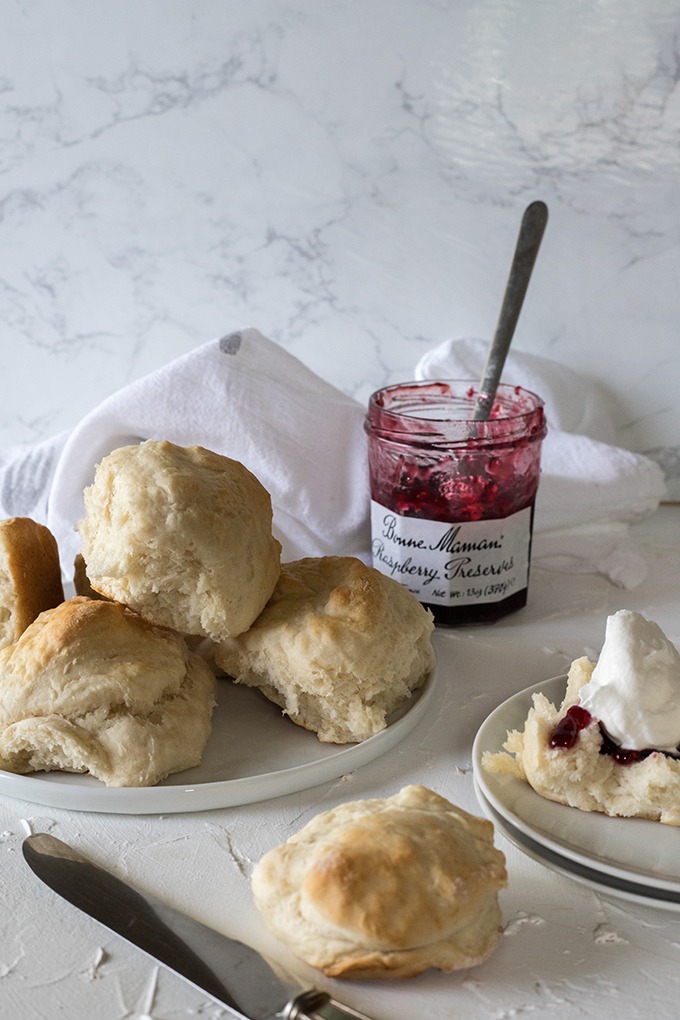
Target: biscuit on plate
(338, 647)
(386, 888)
(30, 575)
(581, 776)
(92, 687)
(181, 535)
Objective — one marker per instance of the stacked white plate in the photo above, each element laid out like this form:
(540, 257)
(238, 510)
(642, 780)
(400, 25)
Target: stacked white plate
(628, 858)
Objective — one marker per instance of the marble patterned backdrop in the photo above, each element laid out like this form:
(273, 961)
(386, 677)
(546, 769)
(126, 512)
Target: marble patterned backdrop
(346, 175)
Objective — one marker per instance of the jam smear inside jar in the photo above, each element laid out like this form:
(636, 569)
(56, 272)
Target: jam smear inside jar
(452, 499)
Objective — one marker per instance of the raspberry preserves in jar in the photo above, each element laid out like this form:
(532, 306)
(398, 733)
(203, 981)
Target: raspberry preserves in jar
(452, 499)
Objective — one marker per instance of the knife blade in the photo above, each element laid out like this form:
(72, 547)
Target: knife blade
(227, 970)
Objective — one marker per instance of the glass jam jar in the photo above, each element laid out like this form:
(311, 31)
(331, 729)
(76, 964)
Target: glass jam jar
(452, 499)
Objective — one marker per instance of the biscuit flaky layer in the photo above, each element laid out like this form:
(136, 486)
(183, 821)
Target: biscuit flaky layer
(91, 687)
(339, 646)
(580, 776)
(386, 888)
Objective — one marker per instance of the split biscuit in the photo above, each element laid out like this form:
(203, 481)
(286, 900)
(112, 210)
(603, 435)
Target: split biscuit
(581, 776)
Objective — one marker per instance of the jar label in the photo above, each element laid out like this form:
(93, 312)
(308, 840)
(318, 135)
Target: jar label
(453, 564)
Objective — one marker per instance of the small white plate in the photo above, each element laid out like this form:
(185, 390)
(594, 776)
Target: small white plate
(254, 753)
(628, 849)
(603, 884)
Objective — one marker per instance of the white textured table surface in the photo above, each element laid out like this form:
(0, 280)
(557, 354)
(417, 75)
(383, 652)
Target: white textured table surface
(567, 950)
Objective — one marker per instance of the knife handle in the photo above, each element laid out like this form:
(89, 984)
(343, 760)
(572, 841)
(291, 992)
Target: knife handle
(314, 1005)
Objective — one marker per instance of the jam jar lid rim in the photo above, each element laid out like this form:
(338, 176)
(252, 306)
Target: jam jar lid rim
(472, 388)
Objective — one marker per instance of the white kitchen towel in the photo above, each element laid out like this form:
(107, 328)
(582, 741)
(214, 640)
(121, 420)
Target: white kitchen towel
(590, 490)
(247, 398)
(243, 396)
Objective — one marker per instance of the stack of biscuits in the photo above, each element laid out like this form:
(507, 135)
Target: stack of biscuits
(178, 554)
(178, 549)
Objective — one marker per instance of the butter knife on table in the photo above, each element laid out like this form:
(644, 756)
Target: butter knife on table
(228, 970)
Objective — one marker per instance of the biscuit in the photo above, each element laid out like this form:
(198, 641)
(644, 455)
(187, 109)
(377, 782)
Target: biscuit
(30, 575)
(386, 888)
(581, 776)
(92, 687)
(338, 647)
(181, 535)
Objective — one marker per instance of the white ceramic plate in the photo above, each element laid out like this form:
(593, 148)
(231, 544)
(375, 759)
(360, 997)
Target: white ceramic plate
(628, 849)
(599, 882)
(254, 753)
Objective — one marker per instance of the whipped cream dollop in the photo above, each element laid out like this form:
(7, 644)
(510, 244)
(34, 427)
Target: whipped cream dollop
(635, 687)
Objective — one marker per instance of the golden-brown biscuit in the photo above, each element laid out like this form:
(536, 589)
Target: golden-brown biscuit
(386, 888)
(339, 647)
(92, 687)
(181, 535)
(30, 575)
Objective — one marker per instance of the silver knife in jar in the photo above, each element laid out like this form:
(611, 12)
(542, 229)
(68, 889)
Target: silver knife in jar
(232, 973)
